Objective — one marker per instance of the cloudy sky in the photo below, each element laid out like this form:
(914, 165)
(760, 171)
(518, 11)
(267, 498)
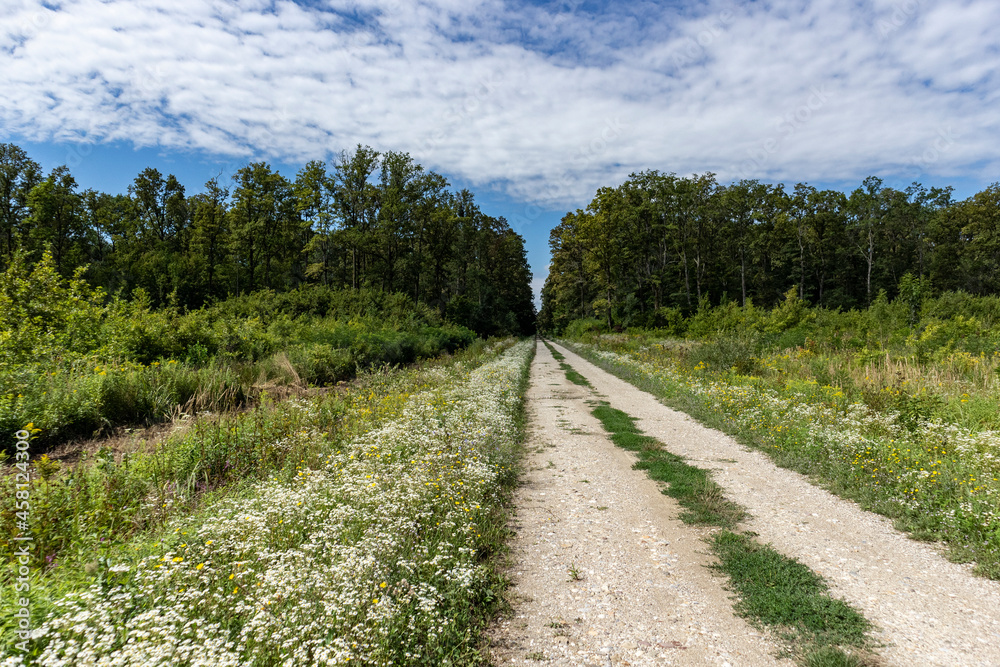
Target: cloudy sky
(532, 104)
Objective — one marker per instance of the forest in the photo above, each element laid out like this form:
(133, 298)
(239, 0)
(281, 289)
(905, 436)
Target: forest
(655, 249)
(374, 220)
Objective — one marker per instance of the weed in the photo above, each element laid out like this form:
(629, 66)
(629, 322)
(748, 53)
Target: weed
(780, 592)
(833, 657)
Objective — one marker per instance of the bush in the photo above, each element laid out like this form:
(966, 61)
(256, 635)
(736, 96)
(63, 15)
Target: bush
(724, 318)
(737, 352)
(318, 363)
(584, 328)
(44, 316)
(670, 321)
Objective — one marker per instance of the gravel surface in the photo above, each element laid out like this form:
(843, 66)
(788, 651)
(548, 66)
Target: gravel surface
(644, 595)
(928, 610)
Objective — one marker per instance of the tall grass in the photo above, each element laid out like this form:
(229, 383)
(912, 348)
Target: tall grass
(357, 528)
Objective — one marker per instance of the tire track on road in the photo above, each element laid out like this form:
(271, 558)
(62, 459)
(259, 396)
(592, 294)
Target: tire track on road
(644, 596)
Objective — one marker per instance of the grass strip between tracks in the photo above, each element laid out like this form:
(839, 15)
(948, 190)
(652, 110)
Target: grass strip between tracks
(571, 374)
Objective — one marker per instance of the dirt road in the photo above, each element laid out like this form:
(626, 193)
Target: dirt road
(645, 596)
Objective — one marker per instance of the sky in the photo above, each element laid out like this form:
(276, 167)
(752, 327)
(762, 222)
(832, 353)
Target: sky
(533, 105)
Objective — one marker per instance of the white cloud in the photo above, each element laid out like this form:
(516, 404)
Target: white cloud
(549, 101)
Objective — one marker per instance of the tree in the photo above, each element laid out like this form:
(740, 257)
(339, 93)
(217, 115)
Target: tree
(601, 234)
(568, 290)
(18, 175)
(56, 220)
(265, 229)
(357, 205)
(315, 204)
(980, 219)
(743, 207)
(867, 208)
(160, 206)
(209, 238)
(106, 217)
(400, 188)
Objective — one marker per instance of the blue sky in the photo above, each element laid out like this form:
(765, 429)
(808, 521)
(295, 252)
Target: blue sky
(531, 104)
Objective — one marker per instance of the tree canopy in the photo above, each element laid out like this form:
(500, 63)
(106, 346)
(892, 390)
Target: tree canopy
(369, 220)
(659, 245)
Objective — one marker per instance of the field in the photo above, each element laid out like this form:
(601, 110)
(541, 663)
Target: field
(899, 415)
(329, 482)
(361, 526)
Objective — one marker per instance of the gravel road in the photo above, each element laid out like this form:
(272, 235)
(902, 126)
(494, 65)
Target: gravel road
(928, 610)
(644, 595)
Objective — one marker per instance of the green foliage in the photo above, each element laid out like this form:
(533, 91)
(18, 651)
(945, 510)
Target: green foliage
(726, 318)
(583, 328)
(777, 591)
(44, 316)
(669, 320)
(793, 312)
(76, 366)
(378, 224)
(659, 242)
(737, 352)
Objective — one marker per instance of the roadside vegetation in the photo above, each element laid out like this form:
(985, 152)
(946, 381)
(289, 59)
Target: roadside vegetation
(360, 526)
(893, 406)
(76, 364)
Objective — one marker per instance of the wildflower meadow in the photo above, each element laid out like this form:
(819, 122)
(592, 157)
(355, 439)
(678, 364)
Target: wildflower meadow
(374, 544)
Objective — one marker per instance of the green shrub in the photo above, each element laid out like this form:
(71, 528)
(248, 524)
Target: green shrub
(584, 328)
(737, 352)
(792, 313)
(321, 364)
(43, 316)
(670, 321)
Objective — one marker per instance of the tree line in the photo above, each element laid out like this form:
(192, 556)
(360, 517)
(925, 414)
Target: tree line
(368, 220)
(660, 245)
